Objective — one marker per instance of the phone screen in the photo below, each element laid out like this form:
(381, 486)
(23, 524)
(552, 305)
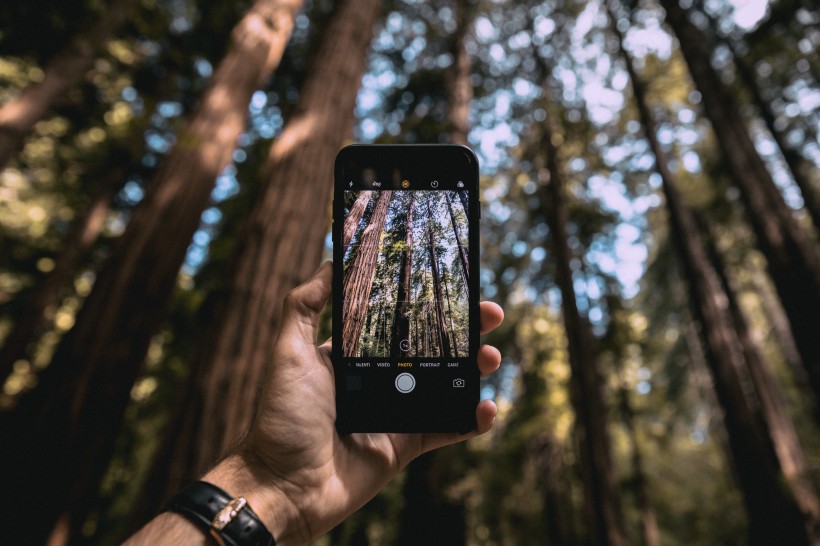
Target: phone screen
(405, 315)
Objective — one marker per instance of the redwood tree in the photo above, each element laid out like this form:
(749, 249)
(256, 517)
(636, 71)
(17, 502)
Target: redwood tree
(462, 252)
(359, 277)
(438, 293)
(81, 397)
(277, 251)
(602, 507)
(778, 512)
(401, 323)
(354, 217)
(791, 255)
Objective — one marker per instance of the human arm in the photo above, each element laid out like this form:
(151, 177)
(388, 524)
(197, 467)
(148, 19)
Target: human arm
(298, 474)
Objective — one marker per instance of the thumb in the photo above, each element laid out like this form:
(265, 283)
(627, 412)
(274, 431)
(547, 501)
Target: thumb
(302, 305)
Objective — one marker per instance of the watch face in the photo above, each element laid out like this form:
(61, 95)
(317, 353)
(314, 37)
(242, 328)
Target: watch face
(405, 277)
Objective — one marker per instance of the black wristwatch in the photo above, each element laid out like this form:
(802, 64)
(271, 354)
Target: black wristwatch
(229, 520)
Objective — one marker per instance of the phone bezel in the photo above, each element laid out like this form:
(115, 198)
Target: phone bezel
(415, 162)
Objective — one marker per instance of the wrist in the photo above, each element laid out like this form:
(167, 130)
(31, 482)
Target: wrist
(240, 474)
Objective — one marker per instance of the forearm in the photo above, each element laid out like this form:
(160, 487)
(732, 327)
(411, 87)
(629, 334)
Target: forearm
(236, 476)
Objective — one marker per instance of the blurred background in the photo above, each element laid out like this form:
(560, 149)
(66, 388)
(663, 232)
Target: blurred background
(649, 180)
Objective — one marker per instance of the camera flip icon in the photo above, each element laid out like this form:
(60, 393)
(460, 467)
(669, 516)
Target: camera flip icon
(458, 383)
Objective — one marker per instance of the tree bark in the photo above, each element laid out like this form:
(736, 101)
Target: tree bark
(602, 505)
(783, 436)
(401, 322)
(19, 115)
(790, 253)
(354, 217)
(462, 196)
(359, 280)
(547, 451)
(81, 397)
(278, 250)
(774, 517)
(462, 252)
(457, 79)
(649, 524)
(441, 322)
(798, 166)
(450, 313)
(429, 517)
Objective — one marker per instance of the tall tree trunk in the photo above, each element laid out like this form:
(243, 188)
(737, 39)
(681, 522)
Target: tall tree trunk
(783, 334)
(354, 217)
(457, 77)
(462, 196)
(783, 436)
(649, 525)
(81, 397)
(19, 115)
(277, 250)
(429, 517)
(450, 313)
(462, 252)
(547, 451)
(798, 166)
(441, 321)
(790, 253)
(401, 322)
(774, 517)
(602, 508)
(32, 317)
(359, 279)
(459, 97)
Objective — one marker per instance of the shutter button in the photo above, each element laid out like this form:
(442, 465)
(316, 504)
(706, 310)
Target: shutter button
(405, 383)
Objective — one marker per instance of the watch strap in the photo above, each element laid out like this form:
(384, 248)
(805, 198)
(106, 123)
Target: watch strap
(237, 524)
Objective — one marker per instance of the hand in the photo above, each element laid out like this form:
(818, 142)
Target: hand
(298, 474)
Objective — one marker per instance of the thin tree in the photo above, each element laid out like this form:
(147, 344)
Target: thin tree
(462, 252)
(791, 255)
(81, 397)
(401, 322)
(774, 513)
(798, 166)
(278, 250)
(19, 115)
(649, 524)
(602, 509)
(462, 196)
(446, 281)
(601, 499)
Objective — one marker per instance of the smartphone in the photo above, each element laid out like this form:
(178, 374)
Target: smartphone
(405, 288)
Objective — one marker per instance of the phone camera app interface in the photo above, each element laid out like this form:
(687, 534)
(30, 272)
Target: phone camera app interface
(406, 277)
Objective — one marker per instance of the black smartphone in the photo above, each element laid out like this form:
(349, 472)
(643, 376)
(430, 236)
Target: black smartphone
(405, 288)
